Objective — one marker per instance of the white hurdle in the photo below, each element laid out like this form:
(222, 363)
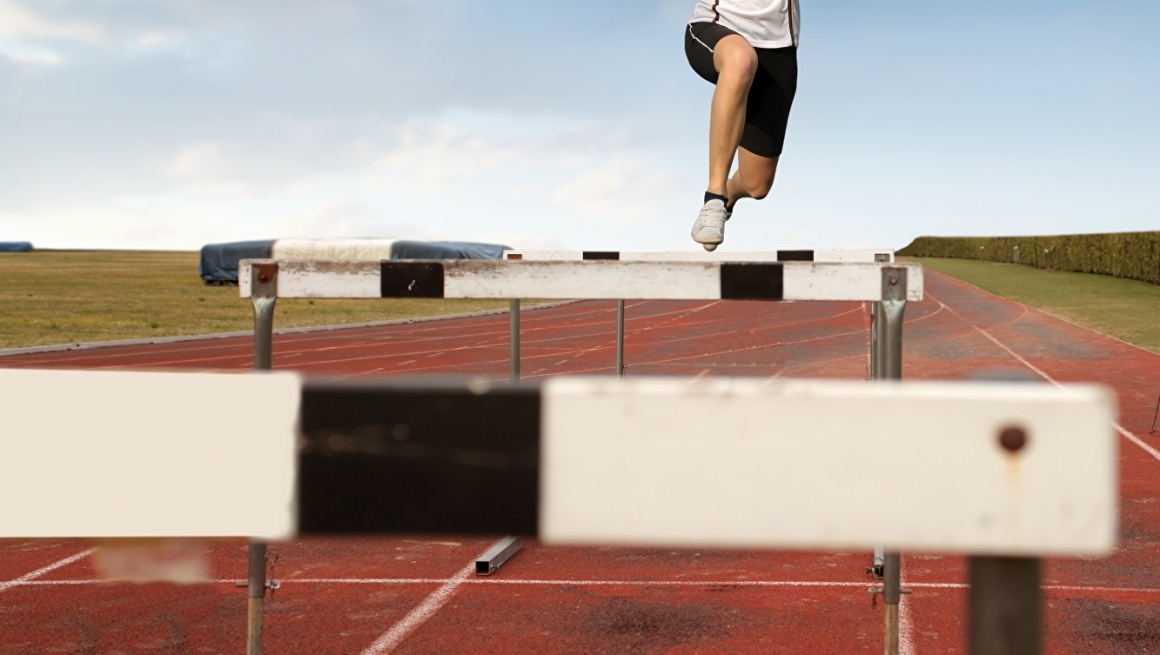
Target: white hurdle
(854, 256)
(878, 283)
(642, 461)
(805, 281)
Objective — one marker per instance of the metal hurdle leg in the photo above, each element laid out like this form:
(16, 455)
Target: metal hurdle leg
(619, 338)
(878, 564)
(257, 597)
(1006, 613)
(490, 561)
(264, 295)
(886, 364)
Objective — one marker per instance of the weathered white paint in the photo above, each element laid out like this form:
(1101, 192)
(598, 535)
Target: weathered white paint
(131, 454)
(830, 465)
(316, 279)
(850, 281)
(583, 279)
(827, 256)
(851, 256)
(319, 279)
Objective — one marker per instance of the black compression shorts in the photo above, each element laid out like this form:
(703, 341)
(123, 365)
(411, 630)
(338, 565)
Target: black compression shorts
(770, 97)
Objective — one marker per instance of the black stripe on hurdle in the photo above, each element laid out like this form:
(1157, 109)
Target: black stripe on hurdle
(600, 254)
(752, 281)
(795, 255)
(429, 458)
(412, 279)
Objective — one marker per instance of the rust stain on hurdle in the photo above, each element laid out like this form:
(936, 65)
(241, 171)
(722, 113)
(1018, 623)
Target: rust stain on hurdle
(267, 271)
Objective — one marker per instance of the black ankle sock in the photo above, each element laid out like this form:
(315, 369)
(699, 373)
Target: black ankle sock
(716, 196)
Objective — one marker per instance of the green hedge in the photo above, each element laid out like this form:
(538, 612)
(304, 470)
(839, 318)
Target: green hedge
(1132, 255)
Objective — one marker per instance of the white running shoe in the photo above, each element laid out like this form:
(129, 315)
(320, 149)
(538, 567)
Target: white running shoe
(709, 230)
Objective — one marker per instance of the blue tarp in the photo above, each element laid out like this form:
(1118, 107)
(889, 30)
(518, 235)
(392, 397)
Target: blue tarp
(15, 246)
(446, 250)
(219, 261)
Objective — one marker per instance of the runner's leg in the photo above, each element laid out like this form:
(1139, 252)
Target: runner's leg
(754, 176)
(736, 64)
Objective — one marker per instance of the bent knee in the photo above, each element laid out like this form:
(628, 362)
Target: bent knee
(735, 58)
(759, 188)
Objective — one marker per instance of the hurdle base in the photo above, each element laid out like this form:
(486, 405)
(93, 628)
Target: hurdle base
(490, 561)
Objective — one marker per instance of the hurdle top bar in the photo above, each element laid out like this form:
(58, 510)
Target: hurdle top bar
(988, 468)
(864, 255)
(583, 279)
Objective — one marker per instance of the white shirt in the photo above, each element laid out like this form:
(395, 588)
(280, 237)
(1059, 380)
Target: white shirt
(764, 23)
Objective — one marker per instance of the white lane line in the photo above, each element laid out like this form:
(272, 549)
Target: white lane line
(1043, 311)
(1136, 440)
(905, 640)
(498, 581)
(425, 610)
(775, 377)
(762, 329)
(732, 351)
(286, 336)
(677, 315)
(698, 376)
(4, 586)
(613, 583)
(1038, 371)
(422, 346)
(565, 583)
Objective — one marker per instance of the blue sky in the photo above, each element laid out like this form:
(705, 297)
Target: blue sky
(175, 123)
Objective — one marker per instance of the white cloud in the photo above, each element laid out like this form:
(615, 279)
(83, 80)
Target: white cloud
(464, 176)
(336, 217)
(438, 157)
(579, 167)
(154, 39)
(196, 161)
(33, 57)
(204, 169)
(527, 241)
(619, 191)
(111, 226)
(20, 22)
(802, 237)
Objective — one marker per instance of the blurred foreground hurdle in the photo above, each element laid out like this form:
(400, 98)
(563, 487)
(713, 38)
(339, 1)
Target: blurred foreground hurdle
(865, 276)
(644, 461)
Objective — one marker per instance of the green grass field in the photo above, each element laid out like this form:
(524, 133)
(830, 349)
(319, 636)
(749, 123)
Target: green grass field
(62, 297)
(54, 297)
(1125, 309)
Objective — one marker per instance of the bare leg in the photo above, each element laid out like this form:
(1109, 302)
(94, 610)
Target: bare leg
(736, 64)
(754, 176)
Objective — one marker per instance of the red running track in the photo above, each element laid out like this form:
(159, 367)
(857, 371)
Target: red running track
(415, 595)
